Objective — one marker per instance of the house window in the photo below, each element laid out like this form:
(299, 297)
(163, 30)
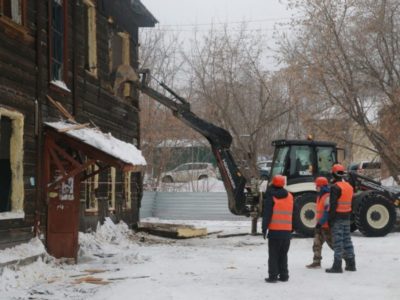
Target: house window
(11, 161)
(120, 55)
(14, 10)
(127, 190)
(91, 40)
(92, 185)
(58, 41)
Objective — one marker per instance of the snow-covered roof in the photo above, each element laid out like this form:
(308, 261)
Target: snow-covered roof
(103, 141)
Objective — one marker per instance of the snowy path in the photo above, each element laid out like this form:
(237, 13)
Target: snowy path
(144, 267)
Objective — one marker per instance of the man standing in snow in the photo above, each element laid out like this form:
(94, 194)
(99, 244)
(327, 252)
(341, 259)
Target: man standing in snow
(340, 199)
(322, 232)
(277, 218)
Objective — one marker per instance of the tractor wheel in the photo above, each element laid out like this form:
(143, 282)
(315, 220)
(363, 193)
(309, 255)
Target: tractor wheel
(353, 225)
(304, 214)
(375, 215)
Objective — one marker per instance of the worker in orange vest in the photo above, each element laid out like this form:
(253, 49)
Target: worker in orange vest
(340, 201)
(322, 231)
(277, 220)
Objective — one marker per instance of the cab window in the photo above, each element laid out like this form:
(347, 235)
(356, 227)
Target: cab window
(326, 159)
(301, 161)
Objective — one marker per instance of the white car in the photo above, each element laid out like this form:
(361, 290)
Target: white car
(189, 172)
(264, 168)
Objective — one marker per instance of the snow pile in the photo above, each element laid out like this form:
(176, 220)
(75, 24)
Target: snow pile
(105, 142)
(110, 241)
(108, 233)
(33, 248)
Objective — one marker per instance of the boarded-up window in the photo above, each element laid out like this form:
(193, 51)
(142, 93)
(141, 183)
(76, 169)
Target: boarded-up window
(13, 9)
(57, 40)
(91, 40)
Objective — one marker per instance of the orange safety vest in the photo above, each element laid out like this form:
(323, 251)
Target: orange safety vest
(320, 207)
(282, 214)
(344, 201)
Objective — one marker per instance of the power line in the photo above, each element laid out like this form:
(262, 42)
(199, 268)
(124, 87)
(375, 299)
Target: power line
(225, 23)
(218, 30)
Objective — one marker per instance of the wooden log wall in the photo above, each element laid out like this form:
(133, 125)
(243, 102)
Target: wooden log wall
(25, 77)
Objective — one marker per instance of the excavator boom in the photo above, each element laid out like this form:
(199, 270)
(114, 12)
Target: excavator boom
(219, 139)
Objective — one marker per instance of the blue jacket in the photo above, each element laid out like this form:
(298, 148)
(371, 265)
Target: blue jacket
(325, 189)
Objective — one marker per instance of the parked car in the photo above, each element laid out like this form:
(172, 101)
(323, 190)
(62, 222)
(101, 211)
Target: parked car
(188, 172)
(264, 168)
(368, 168)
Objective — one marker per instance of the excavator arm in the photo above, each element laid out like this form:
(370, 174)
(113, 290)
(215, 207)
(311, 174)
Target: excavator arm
(240, 198)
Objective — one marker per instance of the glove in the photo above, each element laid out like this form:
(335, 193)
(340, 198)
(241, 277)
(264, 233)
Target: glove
(264, 234)
(318, 226)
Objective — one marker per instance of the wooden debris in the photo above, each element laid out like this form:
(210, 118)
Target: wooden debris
(61, 109)
(176, 231)
(124, 278)
(92, 280)
(214, 232)
(73, 127)
(231, 235)
(95, 271)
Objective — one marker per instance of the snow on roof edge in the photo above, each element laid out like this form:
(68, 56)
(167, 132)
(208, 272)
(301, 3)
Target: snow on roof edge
(124, 151)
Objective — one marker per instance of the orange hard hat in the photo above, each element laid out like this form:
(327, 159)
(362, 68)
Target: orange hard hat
(321, 181)
(337, 168)
(278, 181)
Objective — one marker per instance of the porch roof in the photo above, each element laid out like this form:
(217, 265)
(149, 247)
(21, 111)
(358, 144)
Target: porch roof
(98, 145)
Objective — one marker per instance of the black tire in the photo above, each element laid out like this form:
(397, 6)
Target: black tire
(304, 214)
(375, 215)
(167, 179)
(353, 225)
(203, 177)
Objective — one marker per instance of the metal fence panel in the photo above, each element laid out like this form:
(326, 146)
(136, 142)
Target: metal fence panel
(188, 206)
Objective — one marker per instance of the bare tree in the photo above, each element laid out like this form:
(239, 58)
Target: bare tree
(348, 54)
(234, 90)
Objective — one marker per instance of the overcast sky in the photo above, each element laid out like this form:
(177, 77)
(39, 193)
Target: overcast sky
(178, 15)
(182, 17)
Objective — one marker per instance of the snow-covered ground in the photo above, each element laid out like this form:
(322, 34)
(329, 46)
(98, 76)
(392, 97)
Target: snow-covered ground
(140, 266)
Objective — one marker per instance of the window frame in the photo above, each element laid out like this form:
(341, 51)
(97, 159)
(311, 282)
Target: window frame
(91, 38)
(23, 13)
(16, 160)
(65, 45)
(125, 55)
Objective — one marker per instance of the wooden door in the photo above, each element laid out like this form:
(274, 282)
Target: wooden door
(63, 219)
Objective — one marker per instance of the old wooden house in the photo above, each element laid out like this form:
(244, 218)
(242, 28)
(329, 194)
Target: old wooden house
(67, 59)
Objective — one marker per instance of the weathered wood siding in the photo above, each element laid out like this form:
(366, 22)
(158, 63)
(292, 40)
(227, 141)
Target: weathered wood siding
(18, 91)
(25, 77)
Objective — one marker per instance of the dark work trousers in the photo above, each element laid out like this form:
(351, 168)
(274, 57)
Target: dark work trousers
(277, 258)
(342, 244)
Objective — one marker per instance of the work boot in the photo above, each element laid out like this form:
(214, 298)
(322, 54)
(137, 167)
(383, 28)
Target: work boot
(271, 279)
(350, 264)
(314, 265)
(336, 267)
(283, 278)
